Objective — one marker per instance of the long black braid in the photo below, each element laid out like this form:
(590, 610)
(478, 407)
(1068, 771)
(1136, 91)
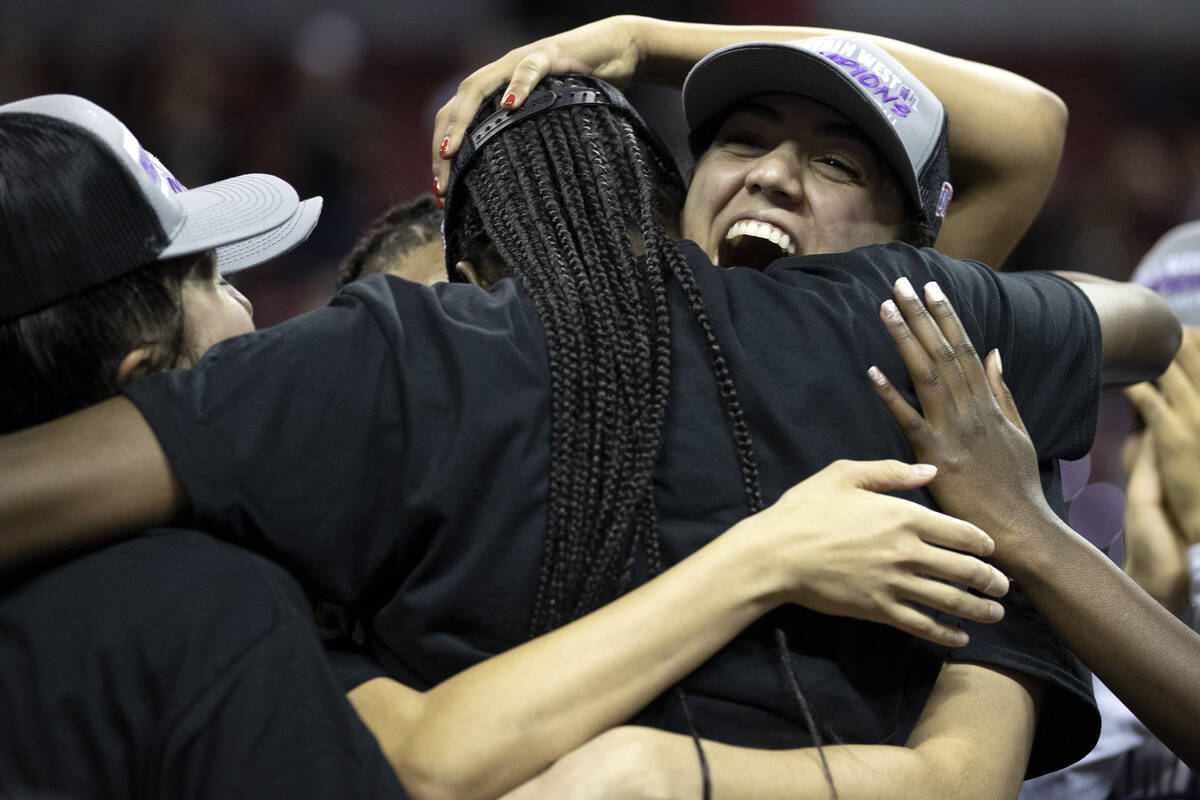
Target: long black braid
(558, 201)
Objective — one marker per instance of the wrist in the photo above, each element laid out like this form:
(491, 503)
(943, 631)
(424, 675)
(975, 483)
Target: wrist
(745, 564)
(638, 31)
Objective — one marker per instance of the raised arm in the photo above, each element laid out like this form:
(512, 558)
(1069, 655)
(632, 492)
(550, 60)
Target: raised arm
(1006, 132)
(972, 430)
(82, 480)
(831, 543)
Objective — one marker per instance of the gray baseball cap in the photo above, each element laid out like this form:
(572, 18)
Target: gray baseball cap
(852, 75)
(1172, 268)
(248, 219)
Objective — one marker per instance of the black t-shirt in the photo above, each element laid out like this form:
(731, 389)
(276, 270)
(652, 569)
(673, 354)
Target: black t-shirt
(391, 450)
(174, 666)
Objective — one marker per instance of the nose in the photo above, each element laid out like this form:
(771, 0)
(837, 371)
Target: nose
(241, 299)
(776, 174)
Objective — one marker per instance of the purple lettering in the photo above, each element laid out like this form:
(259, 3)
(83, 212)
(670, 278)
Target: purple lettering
(886, 98)
(901, 110)
(147, 164)
(870, 80)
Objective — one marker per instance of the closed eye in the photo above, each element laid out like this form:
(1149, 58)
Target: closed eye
(742, 141)
(844, 169)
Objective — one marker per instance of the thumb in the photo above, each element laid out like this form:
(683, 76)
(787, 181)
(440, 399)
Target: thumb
(1000, 391)
(884, 476)
(1143, 485)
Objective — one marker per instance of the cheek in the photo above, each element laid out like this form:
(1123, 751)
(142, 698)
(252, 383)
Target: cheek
(221, 319)
(706, 195)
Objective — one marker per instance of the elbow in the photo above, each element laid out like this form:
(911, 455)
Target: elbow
(1163, 337)
(434, 766)
(427, 774)
(1143, 349)
(1053, 110)
(1051, 114)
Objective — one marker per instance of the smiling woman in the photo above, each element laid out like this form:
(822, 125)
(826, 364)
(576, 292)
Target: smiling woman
(787, 175)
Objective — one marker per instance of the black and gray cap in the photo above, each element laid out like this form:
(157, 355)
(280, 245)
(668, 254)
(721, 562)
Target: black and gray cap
(852, 75)
(248, 219)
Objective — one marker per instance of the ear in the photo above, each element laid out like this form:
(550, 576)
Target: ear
(134, 365)
(467, 270)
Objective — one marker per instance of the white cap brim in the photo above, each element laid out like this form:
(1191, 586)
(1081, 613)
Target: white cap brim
(229, 211)
(272, 244)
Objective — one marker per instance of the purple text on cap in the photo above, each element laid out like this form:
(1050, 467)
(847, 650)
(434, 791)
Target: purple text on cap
(872, 81)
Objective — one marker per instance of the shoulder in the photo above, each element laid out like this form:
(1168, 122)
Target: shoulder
(162, 571)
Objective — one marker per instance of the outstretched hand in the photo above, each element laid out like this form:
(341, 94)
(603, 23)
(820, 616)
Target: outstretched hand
(844, 548)
(971, 430)
(1154, 544)
(606, 49)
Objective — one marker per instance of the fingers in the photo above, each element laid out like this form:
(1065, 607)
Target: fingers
(521, 69)
(1000, 391)
(525, 77)
(1144, 487)
(1180, 392)
(954, 600)
(946, 531)
(452, 120)
(1189, 353)
(912, 352)
(910, 421)
(880, 476)
(944, 367)
(923, 626)
(966, 359)
(1154, 411)
(947, 565)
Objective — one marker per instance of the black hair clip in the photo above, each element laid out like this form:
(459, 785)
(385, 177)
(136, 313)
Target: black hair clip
(538, 101)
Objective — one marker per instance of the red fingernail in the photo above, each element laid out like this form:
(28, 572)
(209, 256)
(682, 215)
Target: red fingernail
(437, 186)
(445, 144)
(509, 99)
(441, 203)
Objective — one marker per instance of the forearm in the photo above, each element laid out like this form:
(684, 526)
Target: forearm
(82, 480)
(1139, 649)
(858, 771)
(497, 724)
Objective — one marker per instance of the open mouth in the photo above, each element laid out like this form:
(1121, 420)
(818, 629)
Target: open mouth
(754, 244)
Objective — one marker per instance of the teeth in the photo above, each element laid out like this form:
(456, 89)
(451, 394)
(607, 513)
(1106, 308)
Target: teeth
(761, 230)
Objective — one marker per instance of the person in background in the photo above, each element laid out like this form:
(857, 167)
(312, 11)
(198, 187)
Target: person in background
(1162, 534)
(405, 241)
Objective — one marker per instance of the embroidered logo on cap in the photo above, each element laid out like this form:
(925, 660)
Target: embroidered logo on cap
(944, 199)
(878, 81)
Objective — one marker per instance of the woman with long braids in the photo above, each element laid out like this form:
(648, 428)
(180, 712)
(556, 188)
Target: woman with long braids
(423, 390)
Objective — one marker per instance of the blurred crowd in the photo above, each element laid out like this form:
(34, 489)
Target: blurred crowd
(345, 112)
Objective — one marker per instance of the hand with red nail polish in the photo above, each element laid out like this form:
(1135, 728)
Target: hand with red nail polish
(607, 48)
